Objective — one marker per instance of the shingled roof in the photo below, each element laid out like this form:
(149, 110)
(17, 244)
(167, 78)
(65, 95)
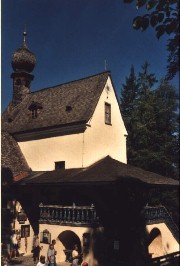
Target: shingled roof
(11, 155)
(106, 170)
(69, 103)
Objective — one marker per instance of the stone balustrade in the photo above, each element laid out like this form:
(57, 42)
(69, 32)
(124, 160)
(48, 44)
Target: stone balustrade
(68, 215)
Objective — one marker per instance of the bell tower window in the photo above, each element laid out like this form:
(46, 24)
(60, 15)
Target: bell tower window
(27, 83)
(34, 108)
(18, 82)
(34, 113)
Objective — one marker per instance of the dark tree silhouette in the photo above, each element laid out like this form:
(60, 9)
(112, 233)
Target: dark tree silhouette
(151, 119)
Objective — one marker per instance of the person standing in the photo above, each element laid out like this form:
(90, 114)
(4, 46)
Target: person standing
(53, 242)
(75, 255)
(36, 249)
(14, 245)
(51, 259)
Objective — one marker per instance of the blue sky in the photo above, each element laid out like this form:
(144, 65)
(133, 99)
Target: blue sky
(72, 38)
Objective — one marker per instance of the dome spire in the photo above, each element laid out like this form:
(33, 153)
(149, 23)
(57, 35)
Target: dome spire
(24, 36)
(23, 59)
(23, 63)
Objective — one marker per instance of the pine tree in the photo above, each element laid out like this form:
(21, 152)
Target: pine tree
(129, 94)
(128, 102)
(150, 117)
(144, 120)
(167, 126)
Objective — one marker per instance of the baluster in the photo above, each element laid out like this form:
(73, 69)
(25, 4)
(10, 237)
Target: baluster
(87, 215)
(69, 215)
(48, 214)
(158, 213)
(60, 216)
(92, 212)
(78, 216)
(150, 214)
(82, 215)
(52, 215)
(73, 215)
(94, 216)
(56, 214)
(64, 217)
(45, 214)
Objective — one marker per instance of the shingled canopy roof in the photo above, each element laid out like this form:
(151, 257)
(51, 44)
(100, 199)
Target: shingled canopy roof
(69, 103)
(106, 170)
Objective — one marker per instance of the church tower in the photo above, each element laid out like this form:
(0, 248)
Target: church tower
(23, 63)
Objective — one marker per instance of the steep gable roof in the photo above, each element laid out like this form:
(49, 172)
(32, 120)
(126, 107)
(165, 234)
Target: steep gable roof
(69, 103)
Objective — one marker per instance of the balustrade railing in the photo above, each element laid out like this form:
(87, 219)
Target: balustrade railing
(77, 215)
(169, 259)
(159, 214)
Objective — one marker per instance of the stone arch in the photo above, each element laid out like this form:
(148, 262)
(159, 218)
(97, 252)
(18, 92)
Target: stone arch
(155, 247)
(66, 241)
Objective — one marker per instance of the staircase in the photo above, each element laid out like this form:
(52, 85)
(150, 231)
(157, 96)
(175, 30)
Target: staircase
(159, 214)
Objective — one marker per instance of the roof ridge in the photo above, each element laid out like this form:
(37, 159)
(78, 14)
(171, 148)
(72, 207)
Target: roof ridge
(51, 87)
(97, 162)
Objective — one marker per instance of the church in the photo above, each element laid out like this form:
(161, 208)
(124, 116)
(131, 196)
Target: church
(66, 177)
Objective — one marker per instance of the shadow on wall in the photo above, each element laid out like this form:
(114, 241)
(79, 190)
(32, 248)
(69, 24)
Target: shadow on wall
(122, 244)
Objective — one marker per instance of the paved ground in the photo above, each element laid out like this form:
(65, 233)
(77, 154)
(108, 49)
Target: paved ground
(28, 261)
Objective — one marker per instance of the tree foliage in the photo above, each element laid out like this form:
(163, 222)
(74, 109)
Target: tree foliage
(128, 103)
(166, 106)
(163, 16)
(150, 117)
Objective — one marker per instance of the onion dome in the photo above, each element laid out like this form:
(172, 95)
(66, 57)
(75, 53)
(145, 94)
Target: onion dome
(23, 59)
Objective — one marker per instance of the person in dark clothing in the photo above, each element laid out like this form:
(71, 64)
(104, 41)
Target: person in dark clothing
(36, 249)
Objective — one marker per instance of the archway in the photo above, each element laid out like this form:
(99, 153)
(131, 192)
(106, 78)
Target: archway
(155, 247)
(65, 243)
